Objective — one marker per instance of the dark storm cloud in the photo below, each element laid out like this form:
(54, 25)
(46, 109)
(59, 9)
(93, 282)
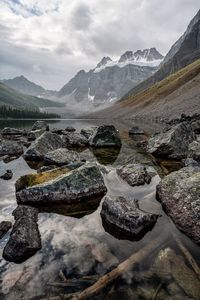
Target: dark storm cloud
(66, 36)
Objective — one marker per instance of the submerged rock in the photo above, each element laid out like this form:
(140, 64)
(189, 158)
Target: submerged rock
(4, 227)
(24, 239)
(12, 131)
(125, 220)
(74, 189)
(179, 194)
(75, 140)
(40, 125)
(7, 176)
(10, 148)
(136, 174)
(61, 157)
(45, 143)
(168, 266)
(105, 136)
(173, 143)
(135, 130)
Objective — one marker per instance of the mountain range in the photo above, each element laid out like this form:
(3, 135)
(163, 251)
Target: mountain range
(140, 82)
(101, 86)
(14, 99)
(110, 80)
(173, 89)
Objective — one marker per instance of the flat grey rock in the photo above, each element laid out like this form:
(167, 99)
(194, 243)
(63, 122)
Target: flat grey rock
(45, 143)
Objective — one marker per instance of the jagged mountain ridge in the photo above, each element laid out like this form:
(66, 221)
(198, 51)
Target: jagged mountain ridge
(185, 51)
(110, 80)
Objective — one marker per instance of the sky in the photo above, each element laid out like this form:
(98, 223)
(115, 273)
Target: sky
(48, 41)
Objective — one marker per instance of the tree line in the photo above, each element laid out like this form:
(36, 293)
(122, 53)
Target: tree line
(15, 113)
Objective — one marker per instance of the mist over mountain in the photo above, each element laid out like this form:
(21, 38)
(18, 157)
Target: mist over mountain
(25, 86)
(109, 80)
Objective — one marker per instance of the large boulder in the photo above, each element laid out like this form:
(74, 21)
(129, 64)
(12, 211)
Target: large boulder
(10, 148)
(194, 151)
(136, 174)
(105, 136)
(33, 179)
(12, 131)
(74, 189)
(24, 239)
(4, 228)
(38, 125)
(61, 157)
(173, 143)
(47, 142)
(124, 219)
(179, 194)
(75, 140)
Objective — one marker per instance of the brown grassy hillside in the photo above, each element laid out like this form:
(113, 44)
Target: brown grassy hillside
(178, 93)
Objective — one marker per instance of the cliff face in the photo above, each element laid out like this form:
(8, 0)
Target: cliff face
(110, 80)
(185, 51)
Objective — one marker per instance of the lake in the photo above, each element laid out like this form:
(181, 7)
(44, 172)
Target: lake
(77, 251)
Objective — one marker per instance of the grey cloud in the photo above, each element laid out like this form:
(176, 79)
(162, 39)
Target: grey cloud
(60, 43)
(82, 17)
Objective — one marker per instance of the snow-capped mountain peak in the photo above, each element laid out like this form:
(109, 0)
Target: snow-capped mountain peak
(147, 57)
(104, 62)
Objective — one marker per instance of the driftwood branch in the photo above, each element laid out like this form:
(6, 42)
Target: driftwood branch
(187, 255)
(108, 278)
(125, 266)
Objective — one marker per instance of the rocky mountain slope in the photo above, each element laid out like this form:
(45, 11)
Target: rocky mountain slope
(15, 99)
(185, 51)
(110, 80)
(178, 93)
(25, 86)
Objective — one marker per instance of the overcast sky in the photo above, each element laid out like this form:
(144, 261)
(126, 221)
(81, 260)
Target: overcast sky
(48, 41)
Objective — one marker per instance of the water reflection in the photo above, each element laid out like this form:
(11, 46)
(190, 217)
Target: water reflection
(77, 251)
(106, 156)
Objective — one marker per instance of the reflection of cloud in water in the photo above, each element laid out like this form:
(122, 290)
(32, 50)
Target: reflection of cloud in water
(76, 246)
(7, 188)
(71, 245)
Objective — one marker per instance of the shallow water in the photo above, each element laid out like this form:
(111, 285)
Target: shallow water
(72, 247)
